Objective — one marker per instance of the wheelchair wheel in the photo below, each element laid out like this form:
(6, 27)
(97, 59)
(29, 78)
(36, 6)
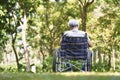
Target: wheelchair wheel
(89, 63)
(89, 67)
(56, 61)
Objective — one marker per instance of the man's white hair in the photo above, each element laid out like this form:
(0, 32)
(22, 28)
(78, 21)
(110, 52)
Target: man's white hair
(73, 23)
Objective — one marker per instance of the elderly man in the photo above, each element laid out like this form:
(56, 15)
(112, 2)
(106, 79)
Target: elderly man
(75, 32)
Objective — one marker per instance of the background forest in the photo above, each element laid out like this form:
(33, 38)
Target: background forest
(30, 30)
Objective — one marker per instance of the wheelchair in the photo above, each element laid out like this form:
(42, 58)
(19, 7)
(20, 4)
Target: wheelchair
(73, 55)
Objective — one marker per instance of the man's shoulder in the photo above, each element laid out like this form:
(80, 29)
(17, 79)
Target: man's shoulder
(82, 32)
(77, 33)
(67, 32)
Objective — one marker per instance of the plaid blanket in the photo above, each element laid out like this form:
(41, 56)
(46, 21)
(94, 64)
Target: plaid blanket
(74, 47)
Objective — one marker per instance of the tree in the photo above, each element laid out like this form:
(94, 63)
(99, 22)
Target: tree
(104, 31)
(10, 25)
(84, 5)
(27, 7)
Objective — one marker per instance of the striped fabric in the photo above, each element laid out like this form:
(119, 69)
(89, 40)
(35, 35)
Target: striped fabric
(74, 47)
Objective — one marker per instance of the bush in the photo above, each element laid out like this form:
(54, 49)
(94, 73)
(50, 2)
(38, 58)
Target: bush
(100, 67)
(117, 67)
(10, 69)
(1, 69)
(47, 64)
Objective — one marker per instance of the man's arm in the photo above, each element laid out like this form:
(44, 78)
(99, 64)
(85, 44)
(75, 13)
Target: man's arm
(90, 44)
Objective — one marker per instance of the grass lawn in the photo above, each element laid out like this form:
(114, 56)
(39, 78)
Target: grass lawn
(60, 76)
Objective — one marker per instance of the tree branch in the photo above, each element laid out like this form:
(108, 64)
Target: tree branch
(89, 3)
(80, 5)
(80, 2)
(85, 2)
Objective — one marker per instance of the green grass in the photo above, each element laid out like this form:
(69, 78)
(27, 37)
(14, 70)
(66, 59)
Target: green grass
(60, 76)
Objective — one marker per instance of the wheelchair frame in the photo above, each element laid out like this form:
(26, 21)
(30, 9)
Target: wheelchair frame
(60, 62)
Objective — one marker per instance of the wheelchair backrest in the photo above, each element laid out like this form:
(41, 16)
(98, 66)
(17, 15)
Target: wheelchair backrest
(74, 47)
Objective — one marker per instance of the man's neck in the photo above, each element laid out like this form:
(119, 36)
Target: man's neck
(74, 28)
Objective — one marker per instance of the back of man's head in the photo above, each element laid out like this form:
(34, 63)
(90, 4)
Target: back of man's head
(73, 23)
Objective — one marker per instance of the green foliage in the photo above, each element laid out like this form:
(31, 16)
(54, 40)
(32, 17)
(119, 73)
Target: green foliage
(47, 65)
(101, 67)
(117, 66)
(47, 20)
(1, 69)
(11, 69)
(1, 56)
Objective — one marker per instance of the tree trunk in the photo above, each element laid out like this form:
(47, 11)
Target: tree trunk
(13, 41)
(83, 11)
(95, 56)
(51, 43)
(47, 25)
(113, 59)
(109, 61)
(16, 56)
(43, 58)
(26, 55)
(99, 56)
(84, 17)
